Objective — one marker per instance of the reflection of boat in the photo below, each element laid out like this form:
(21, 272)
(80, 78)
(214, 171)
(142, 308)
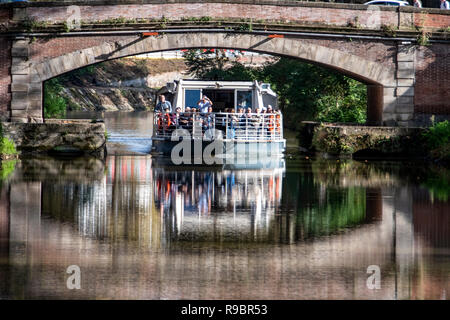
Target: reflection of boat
(204, 204)
(236, 127)
(248, 163)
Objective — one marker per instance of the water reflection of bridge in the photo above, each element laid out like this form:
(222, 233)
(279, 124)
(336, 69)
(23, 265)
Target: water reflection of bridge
(271, 231)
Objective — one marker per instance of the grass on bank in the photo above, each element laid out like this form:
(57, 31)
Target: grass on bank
(7, 168)
(7, 146)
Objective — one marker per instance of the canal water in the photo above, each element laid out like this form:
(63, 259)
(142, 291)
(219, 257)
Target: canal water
(296, 228)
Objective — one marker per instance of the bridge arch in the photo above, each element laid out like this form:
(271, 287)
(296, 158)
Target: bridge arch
(374, 74)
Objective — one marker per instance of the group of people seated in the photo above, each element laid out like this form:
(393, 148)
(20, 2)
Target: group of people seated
(244, 122)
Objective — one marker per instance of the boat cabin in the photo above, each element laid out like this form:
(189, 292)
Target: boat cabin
(225, 95)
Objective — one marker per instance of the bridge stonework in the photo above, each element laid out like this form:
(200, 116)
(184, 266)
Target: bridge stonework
(407, 83)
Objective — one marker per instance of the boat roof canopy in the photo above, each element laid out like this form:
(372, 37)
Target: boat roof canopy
(212, 84)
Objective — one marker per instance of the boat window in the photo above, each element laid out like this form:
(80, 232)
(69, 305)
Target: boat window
(222, 98)
(191, 97)
(244, 99)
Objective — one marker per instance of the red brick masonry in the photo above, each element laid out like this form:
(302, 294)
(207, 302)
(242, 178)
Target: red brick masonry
(5, 77)
(432, 89)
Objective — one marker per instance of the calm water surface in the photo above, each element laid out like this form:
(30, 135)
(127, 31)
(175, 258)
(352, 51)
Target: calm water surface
(140, 228)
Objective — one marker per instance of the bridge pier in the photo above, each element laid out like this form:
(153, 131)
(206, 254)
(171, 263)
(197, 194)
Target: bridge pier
(405, 84)
(375, 105)
(398, 97)
(26, 103)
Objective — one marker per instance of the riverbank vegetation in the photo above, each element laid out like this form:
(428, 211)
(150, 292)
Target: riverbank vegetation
(437, 138)
(438, 183)
(56, 102)
(7, 147)
(6, 169)
(8, 153)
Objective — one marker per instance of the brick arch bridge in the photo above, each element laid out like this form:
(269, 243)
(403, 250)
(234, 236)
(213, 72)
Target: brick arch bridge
(401, 75)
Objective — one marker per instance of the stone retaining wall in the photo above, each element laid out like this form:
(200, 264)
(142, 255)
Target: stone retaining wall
(346, 140)
(77, 170)
(58, 136)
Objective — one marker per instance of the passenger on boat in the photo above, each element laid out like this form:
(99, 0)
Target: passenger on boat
(197, 121)
(278, 121)
(269, 121)
(176, 118)
(257, 120)
(208, 122)
(204, 104)
(186, 119)
(164, 121)
(273, 121)
(241, 124)
(163, 104)
(233, 124)
(208, 119)
(249, 123)
(221, 120)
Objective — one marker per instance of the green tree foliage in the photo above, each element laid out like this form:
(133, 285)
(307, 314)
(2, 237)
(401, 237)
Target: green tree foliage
(54, 105)
(306, 92)
(206, 64)
(438, 135)
(347, 106)
(438, 140)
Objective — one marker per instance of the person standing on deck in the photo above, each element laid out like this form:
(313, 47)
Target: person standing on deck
(208, 123)
(186, 119)
(242, 118)
(445, 5)
(417, 4)
(163, 104)
(257, 120)
(176, 117)
(204, 104)
(269, 120)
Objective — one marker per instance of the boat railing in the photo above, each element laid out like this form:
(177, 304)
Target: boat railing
(234, 126)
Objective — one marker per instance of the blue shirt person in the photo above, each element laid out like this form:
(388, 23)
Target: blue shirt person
(163, 104)
(204, 104)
